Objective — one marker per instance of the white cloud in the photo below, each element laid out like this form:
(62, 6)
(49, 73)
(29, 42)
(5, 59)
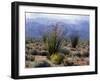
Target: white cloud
(70, 18)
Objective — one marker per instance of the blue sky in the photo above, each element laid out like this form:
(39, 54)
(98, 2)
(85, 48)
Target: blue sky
(37, 22)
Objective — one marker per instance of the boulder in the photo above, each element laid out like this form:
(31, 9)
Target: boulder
(64, 50)
(44, 53)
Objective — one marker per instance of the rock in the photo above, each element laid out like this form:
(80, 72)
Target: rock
(73, 49)
(39, 49)
(64, 50)
(85, 53)
(86, 59)
(29, 46)
(81, 62)
(34, 52)
(39, 58)
(44, 53)
(43, 47)
(68, 61)
(29, 57)
(41, 64)
(69, 45)
(76, 53)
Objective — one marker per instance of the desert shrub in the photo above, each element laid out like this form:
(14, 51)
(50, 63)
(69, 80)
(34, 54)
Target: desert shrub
(53, 40)
(53, 45)
(74, 40)
(56, 58)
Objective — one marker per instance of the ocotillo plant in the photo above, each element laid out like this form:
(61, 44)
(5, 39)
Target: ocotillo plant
(53, 39)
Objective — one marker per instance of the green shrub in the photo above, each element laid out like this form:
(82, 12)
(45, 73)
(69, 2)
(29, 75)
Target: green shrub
(56, 58)
(74, 40)
(53, 44)
(53, 40)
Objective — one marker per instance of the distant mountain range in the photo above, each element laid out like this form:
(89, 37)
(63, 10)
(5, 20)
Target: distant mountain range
(34, 28)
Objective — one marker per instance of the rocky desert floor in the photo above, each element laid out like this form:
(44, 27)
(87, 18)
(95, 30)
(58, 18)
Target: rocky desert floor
(36, 55)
